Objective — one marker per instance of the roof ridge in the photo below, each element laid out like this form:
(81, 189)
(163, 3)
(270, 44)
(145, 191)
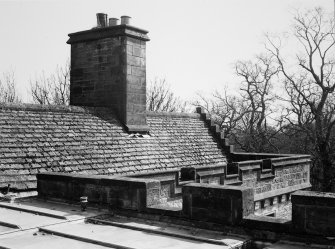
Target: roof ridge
(173, 114)
(49, 108)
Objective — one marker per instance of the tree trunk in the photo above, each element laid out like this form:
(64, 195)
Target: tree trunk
(324, 159)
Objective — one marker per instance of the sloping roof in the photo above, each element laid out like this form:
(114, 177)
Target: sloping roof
(37, 139)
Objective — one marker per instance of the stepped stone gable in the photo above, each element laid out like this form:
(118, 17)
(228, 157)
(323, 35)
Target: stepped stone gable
(36, 139)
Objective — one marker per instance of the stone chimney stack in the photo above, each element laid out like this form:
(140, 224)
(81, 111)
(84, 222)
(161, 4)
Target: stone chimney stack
(108, 69)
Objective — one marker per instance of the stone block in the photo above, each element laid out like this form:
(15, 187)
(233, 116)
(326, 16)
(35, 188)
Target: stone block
(267, 203)
(220, 204)
(137, 71)
(314, 212)
(257, 205)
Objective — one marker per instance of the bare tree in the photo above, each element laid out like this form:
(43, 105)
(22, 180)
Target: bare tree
(160, 98)
(257, 98)
(53, 89)
(8, 89)
(244, 117)
(310, 86)
(226, 110)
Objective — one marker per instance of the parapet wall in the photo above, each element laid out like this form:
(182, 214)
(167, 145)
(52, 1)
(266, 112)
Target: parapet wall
(272, 179)
(116, 192)
(313, 212)
(226, 205)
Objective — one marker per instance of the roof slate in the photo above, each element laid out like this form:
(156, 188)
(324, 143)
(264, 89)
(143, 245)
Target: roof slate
(35, 139)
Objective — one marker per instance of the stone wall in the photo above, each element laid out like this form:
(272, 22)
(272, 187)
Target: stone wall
(285, 175)
(313, 213)
(273, 180)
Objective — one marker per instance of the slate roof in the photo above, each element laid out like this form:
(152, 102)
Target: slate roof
(37, 139)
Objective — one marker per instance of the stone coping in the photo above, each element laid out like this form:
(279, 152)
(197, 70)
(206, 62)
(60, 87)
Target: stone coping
(282, 191)
(266, 155)
(313, 198)
(199, 167)
(276, 162)
(153, 172)
(116, 27)
(94, 178)
(110, 31)
(210, 173)
(212, 186)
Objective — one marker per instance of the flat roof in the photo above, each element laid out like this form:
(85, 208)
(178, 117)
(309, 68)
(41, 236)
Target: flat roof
(35, 223)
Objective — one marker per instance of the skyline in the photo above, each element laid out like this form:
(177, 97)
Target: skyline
(193, 45)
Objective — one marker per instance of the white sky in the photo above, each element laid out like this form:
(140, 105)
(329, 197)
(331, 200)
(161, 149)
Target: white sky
(194, 43)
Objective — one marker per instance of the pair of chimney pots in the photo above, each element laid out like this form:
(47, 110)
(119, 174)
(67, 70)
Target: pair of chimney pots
(102, 20)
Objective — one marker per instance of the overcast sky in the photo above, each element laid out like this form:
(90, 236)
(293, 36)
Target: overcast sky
(193, 45)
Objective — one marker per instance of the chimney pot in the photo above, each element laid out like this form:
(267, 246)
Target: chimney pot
(125, 20)
(113, 21)
(101, 20)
